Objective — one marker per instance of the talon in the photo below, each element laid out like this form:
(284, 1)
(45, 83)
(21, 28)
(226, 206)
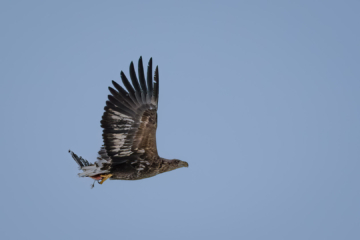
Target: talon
(104, 178)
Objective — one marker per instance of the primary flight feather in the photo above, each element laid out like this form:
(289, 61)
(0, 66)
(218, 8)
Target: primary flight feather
(129, 132)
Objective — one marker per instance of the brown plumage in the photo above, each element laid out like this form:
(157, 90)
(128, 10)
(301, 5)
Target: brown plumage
(129, 131)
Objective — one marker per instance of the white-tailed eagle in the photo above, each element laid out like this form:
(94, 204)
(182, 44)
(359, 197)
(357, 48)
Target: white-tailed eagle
(129, 132)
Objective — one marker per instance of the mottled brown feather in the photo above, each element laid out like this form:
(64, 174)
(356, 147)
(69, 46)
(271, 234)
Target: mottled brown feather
(129, 130)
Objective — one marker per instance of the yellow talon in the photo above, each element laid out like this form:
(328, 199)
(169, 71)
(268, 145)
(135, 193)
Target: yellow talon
(104, 178)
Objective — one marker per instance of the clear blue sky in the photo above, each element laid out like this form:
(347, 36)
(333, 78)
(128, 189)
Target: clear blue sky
(262, 98)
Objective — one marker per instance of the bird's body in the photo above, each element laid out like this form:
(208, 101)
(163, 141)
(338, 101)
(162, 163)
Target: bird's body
(129, 131)
(159, 165)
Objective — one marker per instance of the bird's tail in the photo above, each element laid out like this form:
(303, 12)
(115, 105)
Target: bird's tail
(100, 166)
(79, 160)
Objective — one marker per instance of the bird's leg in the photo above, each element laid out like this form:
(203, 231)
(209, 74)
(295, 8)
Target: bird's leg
(104, 178)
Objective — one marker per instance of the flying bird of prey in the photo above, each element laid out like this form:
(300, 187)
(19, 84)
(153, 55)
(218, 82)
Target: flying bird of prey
(129, 132)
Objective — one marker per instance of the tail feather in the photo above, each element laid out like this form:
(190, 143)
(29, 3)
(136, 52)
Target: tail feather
(101, 166)
(79, 160)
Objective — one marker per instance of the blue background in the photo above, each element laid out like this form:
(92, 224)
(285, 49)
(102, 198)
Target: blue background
(260, 97)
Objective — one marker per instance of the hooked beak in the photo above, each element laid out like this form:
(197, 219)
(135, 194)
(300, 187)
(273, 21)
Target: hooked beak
(184, 164)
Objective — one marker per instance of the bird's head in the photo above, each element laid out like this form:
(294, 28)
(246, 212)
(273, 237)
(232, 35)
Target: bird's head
(180, 163)
(169, 165)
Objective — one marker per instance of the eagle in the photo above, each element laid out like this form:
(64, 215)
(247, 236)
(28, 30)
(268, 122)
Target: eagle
(129, 127)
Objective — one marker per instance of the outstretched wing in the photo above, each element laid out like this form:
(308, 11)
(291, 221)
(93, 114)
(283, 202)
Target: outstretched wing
(130, 119)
